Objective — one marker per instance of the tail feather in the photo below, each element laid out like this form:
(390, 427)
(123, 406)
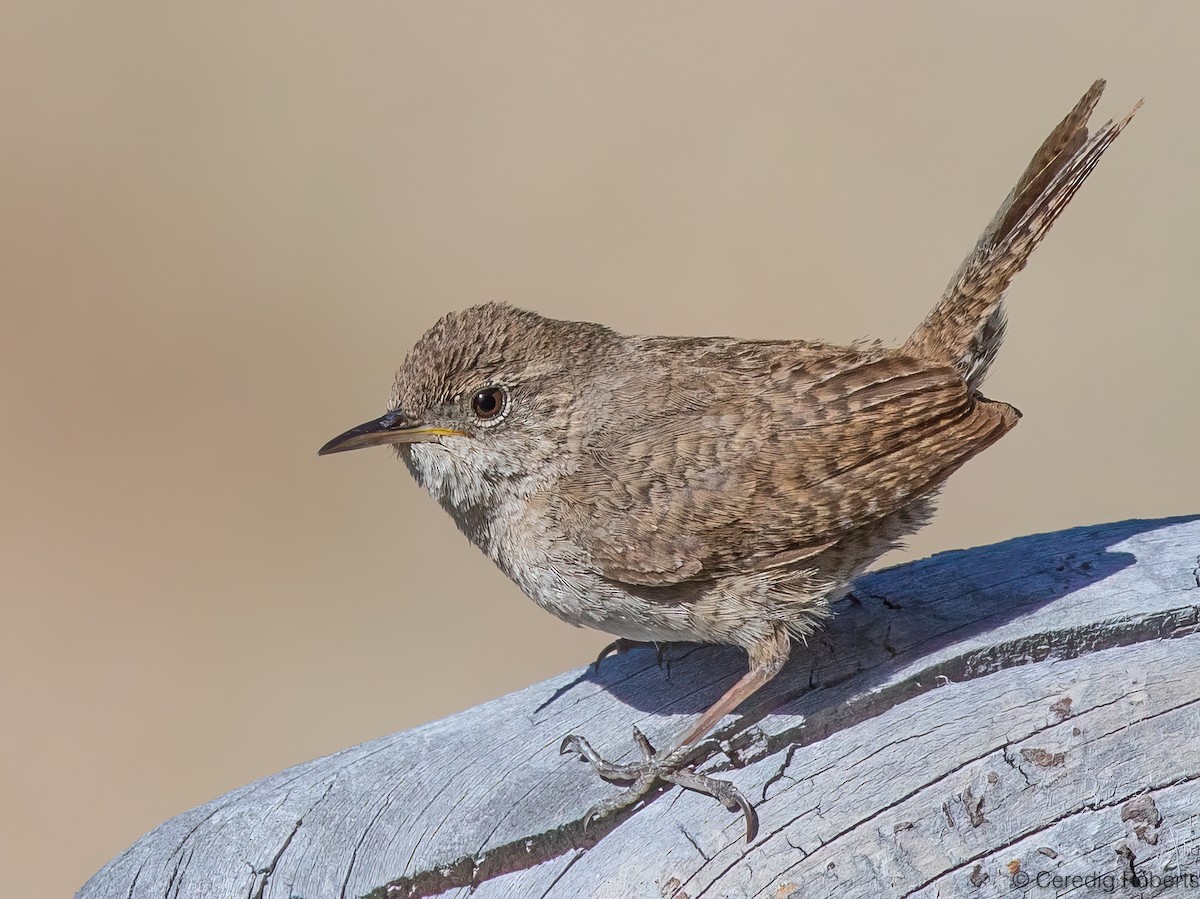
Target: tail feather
(967, 325)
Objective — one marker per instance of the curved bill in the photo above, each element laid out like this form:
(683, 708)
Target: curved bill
(392, 428)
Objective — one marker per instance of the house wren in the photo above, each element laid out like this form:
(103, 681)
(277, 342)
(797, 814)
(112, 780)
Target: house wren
(711, 489)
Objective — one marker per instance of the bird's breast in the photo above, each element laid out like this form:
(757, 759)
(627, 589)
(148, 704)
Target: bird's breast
(517, 530)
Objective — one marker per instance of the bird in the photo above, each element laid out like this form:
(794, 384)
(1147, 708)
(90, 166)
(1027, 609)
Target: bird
(712, 489)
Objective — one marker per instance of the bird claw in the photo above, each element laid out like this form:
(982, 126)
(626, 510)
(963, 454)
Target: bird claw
(654, 767)
(721, 790)
(620, 646)
(610, 771)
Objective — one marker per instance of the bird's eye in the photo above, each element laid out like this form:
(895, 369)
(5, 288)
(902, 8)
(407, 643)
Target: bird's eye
(489, 402)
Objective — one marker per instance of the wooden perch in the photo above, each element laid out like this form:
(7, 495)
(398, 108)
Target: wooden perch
(970, 723)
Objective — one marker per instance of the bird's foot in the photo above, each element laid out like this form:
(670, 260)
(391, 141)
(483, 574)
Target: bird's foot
(654, 767)
(621, 645)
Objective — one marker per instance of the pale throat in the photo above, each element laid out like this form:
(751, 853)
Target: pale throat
(450, 479)
(474, 484)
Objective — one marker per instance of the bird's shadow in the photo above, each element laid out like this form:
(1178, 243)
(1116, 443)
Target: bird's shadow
(892, 619)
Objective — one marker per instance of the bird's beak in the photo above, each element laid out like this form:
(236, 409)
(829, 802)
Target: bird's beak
(392, 428)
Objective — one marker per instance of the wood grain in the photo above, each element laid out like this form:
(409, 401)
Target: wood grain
(1026, 709)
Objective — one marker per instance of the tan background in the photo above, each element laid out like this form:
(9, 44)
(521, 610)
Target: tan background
(222, 225)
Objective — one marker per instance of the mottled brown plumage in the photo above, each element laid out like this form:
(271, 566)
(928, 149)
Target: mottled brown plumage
(712, 489)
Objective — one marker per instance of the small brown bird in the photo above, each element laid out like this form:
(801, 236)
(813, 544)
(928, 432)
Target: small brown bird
(711, 489)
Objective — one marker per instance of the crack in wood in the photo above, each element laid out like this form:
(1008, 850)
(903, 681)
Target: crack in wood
(133, 883)
(266, 873)
(563, 873)
(472, 870)
(362, 838)
(691, 839)
(176, 875)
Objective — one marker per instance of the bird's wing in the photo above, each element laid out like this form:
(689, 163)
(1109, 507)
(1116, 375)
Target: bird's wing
(756, 454)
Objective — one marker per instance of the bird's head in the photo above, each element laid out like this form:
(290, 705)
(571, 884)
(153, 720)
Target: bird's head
(488, 400)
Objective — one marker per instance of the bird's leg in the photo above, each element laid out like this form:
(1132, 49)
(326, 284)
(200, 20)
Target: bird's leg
(766, 659)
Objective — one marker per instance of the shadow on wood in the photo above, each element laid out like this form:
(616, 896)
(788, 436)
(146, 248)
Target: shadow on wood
(968, 724)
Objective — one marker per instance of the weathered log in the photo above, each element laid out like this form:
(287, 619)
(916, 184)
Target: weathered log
(967, 724)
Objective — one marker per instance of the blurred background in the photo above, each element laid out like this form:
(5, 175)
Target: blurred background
(223, 224)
